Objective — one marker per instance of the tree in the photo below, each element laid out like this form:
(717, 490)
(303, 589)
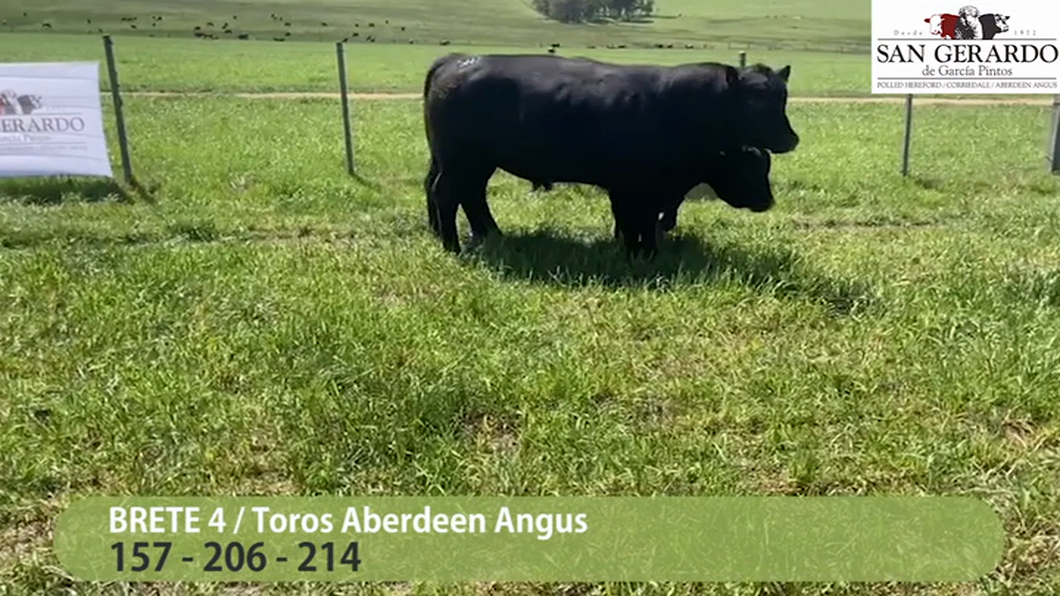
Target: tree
(580, 11)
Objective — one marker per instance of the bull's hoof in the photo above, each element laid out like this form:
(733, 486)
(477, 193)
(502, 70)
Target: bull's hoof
(640, 256)
(452, 246)
(479, 238)
(476, 240)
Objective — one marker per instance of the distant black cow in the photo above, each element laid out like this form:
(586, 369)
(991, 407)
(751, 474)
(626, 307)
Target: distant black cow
(667, 219)
(644, 134)
(740, 178)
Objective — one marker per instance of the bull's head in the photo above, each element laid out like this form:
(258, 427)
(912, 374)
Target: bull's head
(761, 100)
(741, 178)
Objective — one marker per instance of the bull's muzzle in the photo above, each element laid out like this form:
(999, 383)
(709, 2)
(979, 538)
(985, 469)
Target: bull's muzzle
(785, 144)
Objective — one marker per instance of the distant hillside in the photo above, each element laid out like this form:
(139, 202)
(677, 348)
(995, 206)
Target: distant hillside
(792, 24)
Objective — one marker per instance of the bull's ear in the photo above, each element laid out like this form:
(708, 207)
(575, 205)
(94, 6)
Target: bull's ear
(732, 76)
(784, 73)
(927, 20)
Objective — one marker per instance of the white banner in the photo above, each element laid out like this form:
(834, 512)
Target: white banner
(51, 120)
(949, 46)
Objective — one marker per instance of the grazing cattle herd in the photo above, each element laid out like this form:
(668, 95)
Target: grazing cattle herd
(644, 134)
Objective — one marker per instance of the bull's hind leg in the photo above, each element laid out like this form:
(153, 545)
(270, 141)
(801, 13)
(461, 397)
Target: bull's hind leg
(477, 210)
(428, 187)
(669, 220)
(446, 204)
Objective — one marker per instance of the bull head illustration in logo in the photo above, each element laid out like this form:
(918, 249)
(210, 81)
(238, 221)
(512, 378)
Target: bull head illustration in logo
(8, 103)
(29, 103)
(967, 24)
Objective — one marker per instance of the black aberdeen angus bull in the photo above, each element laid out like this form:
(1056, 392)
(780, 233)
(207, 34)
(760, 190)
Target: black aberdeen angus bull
(645, 134)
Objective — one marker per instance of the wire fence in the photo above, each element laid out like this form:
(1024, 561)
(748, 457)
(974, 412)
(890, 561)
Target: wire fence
(1052, 149)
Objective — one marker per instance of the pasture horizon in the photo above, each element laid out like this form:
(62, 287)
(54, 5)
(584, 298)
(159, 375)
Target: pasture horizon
(828, 46)
(258, 322)
(795, 24)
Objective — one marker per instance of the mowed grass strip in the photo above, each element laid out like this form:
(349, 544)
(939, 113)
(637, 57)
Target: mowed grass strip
(266, 325)
(181, 65)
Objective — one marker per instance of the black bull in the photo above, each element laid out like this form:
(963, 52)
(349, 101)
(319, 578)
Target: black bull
(645, 134)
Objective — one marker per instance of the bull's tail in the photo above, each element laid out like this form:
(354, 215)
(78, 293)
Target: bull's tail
(434, 169)
(435, 66)
(427, 82)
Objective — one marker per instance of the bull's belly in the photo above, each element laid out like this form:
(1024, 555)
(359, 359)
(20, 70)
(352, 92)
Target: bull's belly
(572, 169)
(583, 161)
(532, 173)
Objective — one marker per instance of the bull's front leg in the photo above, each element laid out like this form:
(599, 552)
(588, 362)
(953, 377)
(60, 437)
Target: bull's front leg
(636, 221)
(650, 232)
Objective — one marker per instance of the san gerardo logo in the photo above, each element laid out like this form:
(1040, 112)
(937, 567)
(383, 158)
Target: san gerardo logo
(1010, 47)
(22, 113)
(967, 24)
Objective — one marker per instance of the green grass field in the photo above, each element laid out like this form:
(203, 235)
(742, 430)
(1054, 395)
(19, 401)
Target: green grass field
(261, 323)
(828, 46)
(790, 23)
(274, 327)
(182, 65)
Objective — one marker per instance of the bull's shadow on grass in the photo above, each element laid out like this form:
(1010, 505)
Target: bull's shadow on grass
(1043, 186)
(55, 191)
(549, 257)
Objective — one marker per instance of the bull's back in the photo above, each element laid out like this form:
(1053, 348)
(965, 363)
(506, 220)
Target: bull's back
(556, 101)
(582, 119)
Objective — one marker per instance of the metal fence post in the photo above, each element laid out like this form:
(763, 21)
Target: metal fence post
(1054, 145)
(119, 113)
(908, 133)
(346, 128)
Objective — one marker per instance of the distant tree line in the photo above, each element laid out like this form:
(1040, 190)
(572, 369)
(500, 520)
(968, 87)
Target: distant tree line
(581, 11)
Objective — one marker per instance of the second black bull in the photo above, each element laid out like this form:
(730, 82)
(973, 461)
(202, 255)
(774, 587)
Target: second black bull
(645, 134)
